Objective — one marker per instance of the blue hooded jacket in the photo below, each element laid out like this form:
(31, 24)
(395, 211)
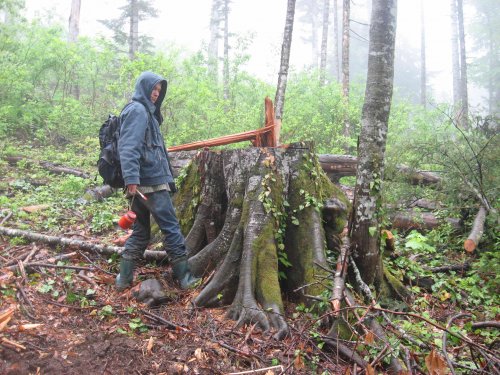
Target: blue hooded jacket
(141, 146)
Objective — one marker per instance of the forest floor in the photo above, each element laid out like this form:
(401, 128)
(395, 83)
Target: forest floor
(64, 315)
(64, 321)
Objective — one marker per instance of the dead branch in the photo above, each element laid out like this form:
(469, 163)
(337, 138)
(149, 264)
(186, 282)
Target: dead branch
(476, 233)
(445, 338)
(453, 267)
(340, 275)
(491, 323)
(51, 167)
(70, 242)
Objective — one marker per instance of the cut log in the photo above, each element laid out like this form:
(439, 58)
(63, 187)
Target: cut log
(421, 221)
(476, 233)
(338, 166)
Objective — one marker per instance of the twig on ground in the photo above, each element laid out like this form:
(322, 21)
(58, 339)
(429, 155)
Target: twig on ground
(445, 339)
(159, 319)
(255, 371)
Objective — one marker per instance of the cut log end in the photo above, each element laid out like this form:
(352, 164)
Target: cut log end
(469, 245)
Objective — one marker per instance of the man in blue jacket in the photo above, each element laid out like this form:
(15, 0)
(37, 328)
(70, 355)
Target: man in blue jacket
(145, 168)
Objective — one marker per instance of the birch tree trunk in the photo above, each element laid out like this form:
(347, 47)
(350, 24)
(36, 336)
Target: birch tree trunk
(279, 100)
(423, 72)
(345, 63)
(74, 21)
(365, 226)
(464, 99)
(134, 29)
(324, 43)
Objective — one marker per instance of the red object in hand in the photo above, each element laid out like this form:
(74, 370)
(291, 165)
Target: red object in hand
(127, 220)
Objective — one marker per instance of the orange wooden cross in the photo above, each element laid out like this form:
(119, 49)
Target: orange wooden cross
(267, 136)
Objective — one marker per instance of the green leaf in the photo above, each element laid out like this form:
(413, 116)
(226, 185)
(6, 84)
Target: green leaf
(372, 231)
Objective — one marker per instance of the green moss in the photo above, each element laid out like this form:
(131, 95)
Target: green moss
(188, 197)
(267, 286)
(392, 287)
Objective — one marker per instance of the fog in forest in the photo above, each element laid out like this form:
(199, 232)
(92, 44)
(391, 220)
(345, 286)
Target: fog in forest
(185, 25)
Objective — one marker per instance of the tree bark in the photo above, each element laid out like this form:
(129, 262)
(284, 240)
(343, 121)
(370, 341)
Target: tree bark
(279, 100)
(324, 43)
(365, 227)
(73, 32)
(345, 63)
(74, 21)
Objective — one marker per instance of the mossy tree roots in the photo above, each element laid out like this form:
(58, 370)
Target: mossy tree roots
(254, 225)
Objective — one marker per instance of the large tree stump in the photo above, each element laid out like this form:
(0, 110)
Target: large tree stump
(253, 219)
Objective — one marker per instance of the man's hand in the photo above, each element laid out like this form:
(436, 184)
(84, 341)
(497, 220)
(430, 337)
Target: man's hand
(132, 189)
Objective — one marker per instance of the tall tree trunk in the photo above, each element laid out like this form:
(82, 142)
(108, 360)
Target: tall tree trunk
(314, 34)
(365, 226)
(213, 46)
(423, 72)
(134, 29)
(464, 99)
(74, 21)
(324, 43)
(493, 99)
(73, 32)
(345, 63)
(455, 54)
(336, 40)
(279, 100)
(226, 50)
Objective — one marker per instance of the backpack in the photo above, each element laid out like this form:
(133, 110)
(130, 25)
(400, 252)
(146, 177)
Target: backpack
(108, 164)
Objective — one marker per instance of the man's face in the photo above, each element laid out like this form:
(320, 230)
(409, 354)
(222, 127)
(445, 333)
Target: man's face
(156, 92)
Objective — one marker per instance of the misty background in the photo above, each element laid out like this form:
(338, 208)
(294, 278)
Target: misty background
(185, 25)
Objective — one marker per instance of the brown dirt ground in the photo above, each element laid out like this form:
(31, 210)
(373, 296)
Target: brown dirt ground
(79, 338)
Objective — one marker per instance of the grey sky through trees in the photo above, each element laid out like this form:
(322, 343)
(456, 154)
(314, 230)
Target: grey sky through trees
(186, 24)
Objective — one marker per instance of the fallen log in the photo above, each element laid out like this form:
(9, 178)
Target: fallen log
(51, 167)
(421, 221)
(71, 242)
(476, 233)
(338, 166)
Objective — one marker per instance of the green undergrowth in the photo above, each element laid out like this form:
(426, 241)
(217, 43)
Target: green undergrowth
(56, 200)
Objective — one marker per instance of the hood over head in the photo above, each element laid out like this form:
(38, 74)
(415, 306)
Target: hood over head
(143, 89)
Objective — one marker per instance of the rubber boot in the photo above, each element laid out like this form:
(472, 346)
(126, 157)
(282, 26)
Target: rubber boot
(181, 273)
(126, 275)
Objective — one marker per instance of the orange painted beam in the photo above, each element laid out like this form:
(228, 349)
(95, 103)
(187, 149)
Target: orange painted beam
(267, 136)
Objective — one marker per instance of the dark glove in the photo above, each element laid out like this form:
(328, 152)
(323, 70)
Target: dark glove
(173, 188)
